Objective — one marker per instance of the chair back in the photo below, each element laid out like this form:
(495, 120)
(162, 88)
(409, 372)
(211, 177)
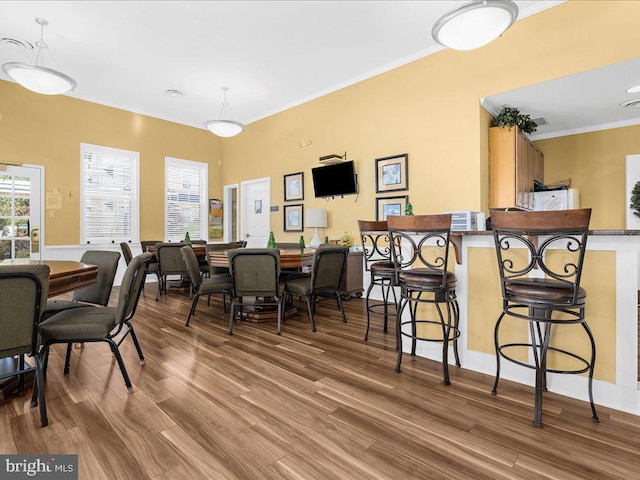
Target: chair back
(376, 246)
(170, 258)
(255, 271)
(23, 296)
(99, 292)
(131, 286)
(420, 241)
(538, 233)
(146, 243)
(328, 267)
(193, 266)
(126, 252)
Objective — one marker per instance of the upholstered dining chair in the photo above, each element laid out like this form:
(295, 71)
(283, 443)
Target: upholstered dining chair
(255, 273)
(126, 252)
(170, 263)
(96, 294)
(219, 283)
(101, 324)
(153, 267)
(23, 295)
(324, 279)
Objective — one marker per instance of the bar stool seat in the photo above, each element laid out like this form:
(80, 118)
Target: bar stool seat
(551, 304)
(420, 251)
(377, 260)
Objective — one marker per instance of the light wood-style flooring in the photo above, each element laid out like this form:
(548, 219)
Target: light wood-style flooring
(303, 405)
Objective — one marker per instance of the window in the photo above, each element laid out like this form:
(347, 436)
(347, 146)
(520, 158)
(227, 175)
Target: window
(186, 195)
(109, 195)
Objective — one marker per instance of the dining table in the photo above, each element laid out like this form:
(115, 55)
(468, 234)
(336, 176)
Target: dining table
(64, 275)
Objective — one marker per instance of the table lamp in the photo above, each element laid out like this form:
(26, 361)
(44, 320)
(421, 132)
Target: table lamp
(315, 218)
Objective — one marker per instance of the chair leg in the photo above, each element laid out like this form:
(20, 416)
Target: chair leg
(233, 311)
(280, 309)
(194, 303)
(456, 323)
(592, 365)
(413, 308)
(371, 285)
(494, 391)
(46, 361)
(446, 331)
(224, 302)
(159, 287)
(344, 319)
(21, 376)
(39, 385)
(123, 369)
(308, 299)
(403, 304)
(136, 344)
(67, 360)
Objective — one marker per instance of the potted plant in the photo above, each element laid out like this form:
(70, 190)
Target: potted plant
(635, 199)
(510, 116)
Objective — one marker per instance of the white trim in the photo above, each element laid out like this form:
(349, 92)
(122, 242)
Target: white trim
(204, 192)
(226, 212)
(135, 210)
(42, 198)
(587, 129)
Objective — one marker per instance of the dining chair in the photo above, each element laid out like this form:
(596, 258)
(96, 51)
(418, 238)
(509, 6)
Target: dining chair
(126, 252)
(324, 279)
(153, 268)
(170, 262)
(101, 324)
(255, 273)
(219, 283)
(23, 295)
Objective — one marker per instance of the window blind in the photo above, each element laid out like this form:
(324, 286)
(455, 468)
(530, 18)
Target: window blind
(109, 195)
(186, 199)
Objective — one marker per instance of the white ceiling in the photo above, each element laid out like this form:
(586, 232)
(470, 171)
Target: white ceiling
(272, 54)
(579, 103)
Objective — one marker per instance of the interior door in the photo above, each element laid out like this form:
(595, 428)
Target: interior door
(256, 206)
(20, 212)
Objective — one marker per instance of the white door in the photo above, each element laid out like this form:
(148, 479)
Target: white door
(20, 212)
(255, 198)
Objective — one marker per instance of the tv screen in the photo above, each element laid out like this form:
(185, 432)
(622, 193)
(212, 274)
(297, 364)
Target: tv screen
(332, 180)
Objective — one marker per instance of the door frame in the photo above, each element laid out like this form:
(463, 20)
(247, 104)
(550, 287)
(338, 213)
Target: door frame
(227, 219)
(241, 205)
(42, 202)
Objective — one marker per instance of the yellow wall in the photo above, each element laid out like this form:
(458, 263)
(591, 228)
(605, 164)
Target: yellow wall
(428, 109)
(48, 130)
(596, 164)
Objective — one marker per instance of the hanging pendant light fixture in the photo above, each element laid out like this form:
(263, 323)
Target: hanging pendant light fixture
(474, 24)
(221, 127)
(36, 77)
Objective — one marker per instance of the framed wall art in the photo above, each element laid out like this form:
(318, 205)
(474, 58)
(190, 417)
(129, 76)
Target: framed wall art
(294, 187)
(386, 206)
(392, 173)
(293, 218)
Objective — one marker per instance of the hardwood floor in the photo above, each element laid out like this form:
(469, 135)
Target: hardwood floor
(302, 405)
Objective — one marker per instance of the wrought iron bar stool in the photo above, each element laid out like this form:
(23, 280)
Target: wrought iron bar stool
(420, 253)
(377, 260)
(552, 243)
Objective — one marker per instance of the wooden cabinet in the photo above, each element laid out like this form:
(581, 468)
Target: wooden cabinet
(514, 164)
(352, 277)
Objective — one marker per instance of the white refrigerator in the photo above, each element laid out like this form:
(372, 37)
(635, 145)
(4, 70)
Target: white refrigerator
(556, 200)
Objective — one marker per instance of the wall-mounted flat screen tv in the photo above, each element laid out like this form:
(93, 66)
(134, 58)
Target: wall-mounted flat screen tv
(332, 180)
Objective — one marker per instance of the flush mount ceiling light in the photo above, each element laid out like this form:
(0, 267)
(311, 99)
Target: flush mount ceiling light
(221, 127)
(36, 77)
(474, 24)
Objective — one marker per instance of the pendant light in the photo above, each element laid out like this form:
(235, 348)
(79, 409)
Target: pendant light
(222, 127)
(36, 77)
(474, 24)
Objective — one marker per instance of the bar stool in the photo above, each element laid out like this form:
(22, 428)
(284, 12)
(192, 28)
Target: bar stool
(377, 260)
(420, 253)
(550, 304)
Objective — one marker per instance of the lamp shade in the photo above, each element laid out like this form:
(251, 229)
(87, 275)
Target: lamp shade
(225, 128)
(474, 24)
(39, 79)
(315, 217)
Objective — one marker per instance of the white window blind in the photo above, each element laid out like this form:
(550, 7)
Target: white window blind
(186, 197)
(109, 203)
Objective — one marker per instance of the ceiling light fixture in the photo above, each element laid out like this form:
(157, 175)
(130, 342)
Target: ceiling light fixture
(174, 93)
(221, 127)
(474, 24)
(36, 77)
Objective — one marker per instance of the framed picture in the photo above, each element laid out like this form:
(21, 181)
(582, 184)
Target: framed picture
(392, 173)
(294, 187)
(386, 206)
(294, 218)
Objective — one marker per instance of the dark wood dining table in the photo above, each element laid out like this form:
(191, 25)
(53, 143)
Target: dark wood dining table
(64, 276)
